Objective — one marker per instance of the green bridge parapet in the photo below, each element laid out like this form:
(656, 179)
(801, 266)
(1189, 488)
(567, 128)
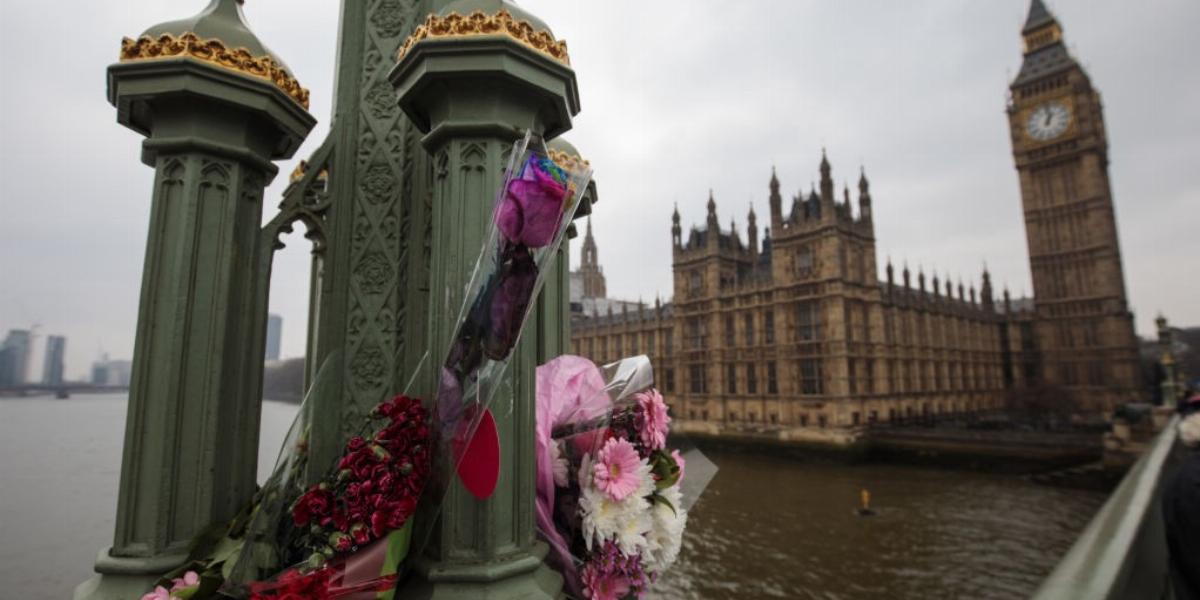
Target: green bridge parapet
(1123, 551)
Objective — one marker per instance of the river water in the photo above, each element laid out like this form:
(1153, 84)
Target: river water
(765, 528)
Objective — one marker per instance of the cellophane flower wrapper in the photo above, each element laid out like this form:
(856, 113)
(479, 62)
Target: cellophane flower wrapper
(345, 535)
(532, 210)
(613, 486)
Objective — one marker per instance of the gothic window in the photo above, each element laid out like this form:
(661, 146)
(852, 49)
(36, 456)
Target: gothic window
(730, 378)
(810, 376)
(772, 381)
(670, 380)
(803, 262)
(695, 333)
(650, 342)
(749, 325)
(696, 376)
(603, 348)
(669, 342)
(695, 283)
(633, 344)
(869, 384)
(769, 326)
(729, 332)
(807, 324)
(852, 375)
(751, 379)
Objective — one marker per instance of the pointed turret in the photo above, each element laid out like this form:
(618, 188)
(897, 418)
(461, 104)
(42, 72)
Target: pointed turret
(864, 196)
(891, 280)
(1038, 17)
(1045, 53)
(985, 292)
(752, 231)
(937, 291)
(1007, 301)
(907, 282)
(676, 231)
(949, 287)
(826, 183)
(921, 278)
(713, 227)
(775, 201)
(962, 295)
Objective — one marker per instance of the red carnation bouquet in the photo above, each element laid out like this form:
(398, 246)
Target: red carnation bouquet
(361, 511)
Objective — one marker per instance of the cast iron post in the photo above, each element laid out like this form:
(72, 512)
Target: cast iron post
(476, 77)
(217, 108)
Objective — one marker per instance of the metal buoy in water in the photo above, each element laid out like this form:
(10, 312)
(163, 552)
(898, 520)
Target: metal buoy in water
(865, 511)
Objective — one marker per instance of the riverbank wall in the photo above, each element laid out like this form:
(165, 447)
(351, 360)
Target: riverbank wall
(987, 450)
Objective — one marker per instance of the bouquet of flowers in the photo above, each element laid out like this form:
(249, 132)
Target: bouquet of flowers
(610, 499)
(346, 534)
(371, 495)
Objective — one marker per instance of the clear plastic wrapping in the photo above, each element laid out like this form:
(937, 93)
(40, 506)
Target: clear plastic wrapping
(348, 534)
(613, 496)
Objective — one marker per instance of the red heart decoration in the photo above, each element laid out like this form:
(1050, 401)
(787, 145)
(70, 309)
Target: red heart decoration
(479, 468)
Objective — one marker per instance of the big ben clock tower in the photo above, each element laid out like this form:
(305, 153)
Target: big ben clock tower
(1084, 327)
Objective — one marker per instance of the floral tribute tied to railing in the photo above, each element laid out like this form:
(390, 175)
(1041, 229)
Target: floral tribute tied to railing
(345, 531)
(612, 500)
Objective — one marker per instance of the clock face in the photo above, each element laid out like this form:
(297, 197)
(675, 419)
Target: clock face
(1048, 121)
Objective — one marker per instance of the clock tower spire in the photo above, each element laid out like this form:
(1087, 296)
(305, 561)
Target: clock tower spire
(1084, 326)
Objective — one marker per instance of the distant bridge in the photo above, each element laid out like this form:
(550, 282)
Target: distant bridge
(58, 390)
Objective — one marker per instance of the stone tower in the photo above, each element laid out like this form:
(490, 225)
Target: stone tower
(1084, 326)
(589, 267)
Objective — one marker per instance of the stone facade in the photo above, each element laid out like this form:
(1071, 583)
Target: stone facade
(800, 331)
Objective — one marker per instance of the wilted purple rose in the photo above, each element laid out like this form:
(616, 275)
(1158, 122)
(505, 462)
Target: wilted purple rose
(532, 207)
(517, 275)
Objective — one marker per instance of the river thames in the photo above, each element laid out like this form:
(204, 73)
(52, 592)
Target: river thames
(765, 527)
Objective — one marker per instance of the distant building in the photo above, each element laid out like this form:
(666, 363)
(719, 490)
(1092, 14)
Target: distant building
(52, 368)
(274, 336)
(798, 329)
(111, 372)
(14, 357)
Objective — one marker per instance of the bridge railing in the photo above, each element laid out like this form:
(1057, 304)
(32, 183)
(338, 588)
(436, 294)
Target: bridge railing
(1123, 551)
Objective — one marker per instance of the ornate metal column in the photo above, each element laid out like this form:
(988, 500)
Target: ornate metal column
(217, 107)
(1170, 384)
(474, 84)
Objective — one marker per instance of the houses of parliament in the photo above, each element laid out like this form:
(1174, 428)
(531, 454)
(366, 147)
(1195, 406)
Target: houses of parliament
(801, 329)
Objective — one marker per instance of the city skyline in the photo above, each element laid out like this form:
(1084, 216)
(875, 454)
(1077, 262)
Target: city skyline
(914, 93)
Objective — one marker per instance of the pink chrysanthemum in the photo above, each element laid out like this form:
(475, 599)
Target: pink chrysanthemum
(653, 419)
(616, 471)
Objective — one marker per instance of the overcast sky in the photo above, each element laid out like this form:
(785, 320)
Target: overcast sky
(678, 97)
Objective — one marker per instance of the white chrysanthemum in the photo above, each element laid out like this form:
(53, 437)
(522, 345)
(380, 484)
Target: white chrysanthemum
(666, 532)
(633, 526)
(626, 522)
(559, 465)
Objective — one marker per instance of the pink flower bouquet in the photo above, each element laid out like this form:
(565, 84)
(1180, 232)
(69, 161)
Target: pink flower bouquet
(610, 499)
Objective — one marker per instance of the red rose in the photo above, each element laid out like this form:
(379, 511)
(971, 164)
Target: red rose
(355, 443)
